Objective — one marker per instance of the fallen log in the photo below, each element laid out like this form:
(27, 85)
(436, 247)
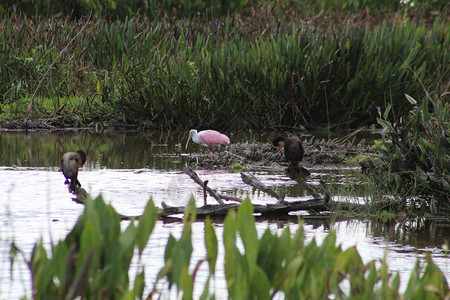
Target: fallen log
(281, 207)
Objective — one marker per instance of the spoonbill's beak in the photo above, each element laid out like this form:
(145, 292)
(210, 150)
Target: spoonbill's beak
(189, 137)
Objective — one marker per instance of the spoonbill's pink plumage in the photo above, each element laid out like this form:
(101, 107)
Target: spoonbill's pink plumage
(207, 138)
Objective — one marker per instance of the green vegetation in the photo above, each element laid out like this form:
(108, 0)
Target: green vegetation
(237, 167)
(92, 262)
(94, 259)
(244, 68)
(415, 162)
(114, 9)
(236, 64)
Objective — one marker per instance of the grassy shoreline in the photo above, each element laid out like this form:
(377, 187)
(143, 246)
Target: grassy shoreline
(233, 72)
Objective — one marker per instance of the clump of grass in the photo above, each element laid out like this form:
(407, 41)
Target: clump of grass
(416, 159)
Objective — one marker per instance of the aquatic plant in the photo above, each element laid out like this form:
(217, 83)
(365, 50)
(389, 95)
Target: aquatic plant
(417, 154)
(93, 262)
(94, 259)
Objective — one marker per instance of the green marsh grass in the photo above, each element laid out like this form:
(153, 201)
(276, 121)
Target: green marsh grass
(416, 160)
(114, 9)
(231, 72)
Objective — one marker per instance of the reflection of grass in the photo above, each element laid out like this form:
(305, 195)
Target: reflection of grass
(352, 189)
(112, 149)
(385, 216)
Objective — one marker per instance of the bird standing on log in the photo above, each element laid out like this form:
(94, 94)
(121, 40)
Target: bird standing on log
(70, 163)
(293, 150)
(207, 138)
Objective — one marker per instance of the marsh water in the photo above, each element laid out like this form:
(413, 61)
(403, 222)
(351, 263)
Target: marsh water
(128, 169)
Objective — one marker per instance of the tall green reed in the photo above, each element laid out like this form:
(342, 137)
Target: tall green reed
(231, 72)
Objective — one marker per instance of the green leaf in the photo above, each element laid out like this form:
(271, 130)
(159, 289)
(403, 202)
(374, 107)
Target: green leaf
(386, 112)
(205, 294)
(171, 243)
(233, 260)
(89, 240)
(383, 123)
(127, 242)
(348, 260)
(425, 113)
(146, 224)
(179, 259)
(247, 230)
(260, 285)
(211, 245)
(139, 285)
(398, 180)
(186, 283)
(60, 263)
(190, 212)
(411, 99)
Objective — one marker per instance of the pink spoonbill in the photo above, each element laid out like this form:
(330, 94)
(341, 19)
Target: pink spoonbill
(207, 138)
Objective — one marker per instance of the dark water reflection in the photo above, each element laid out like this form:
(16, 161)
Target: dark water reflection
(420, 233)
(113, 150)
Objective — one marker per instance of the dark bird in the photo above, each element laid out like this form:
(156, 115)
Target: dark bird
(293, 150)
(70, 162)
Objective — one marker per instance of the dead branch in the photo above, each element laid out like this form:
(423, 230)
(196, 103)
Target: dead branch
(197, 180)
(217, 196)
(300, 177)
(254, 182)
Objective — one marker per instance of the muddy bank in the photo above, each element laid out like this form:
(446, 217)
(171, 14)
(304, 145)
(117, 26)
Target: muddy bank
(319, 153)
(64, 122)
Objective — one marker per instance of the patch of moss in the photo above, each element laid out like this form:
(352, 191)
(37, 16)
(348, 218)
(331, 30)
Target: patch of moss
(357, 158)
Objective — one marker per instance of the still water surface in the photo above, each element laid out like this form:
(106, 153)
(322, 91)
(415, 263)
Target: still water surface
(130, 168)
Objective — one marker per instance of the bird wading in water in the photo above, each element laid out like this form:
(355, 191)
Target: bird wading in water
(293, 150)
(207, 138)
(70, 163)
